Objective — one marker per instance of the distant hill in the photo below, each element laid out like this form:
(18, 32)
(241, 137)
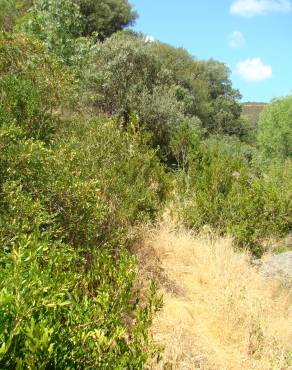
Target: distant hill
(252, 111)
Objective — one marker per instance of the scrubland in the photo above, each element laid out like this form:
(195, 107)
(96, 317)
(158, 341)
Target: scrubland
(100, 131)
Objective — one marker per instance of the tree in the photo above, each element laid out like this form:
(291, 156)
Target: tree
(205, 89)
(225, 110)
(275, 130)
(58, 23)
(130, 78)
(105, 17)
(193, 90)
(69, 27)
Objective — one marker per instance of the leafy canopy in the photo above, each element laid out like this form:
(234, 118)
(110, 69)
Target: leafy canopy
(105, 17)
(275, 130)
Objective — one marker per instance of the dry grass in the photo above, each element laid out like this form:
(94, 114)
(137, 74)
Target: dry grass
(218, 313)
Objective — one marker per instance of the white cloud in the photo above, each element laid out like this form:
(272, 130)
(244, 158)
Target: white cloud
(149, 38)
(253, 70)
(236, 40)
(250, 8)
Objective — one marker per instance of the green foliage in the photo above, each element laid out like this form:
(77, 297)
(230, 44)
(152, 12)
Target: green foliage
(32, 86)
(106, 185)
(275, 131)
(224, 192)
(70, 193)
(139, 73)
(58, 23)
(72, 305)
(7, 14)
(184, 68)
(125, 183)
(73, 187)
(225, 109)
(93, 188)
(205, 89)
(64, 24)
(22, 161)
(261, 208)
(60, 308)
(225, 118)
(185, 142)
(141, 86)
(11, 11)
(105, 17)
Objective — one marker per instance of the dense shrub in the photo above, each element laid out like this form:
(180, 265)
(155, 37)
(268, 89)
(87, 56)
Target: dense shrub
(33, 86)
(126, 72)
(63, 309)
(63, 24)
(73, 187)
(142, 86)
(57, 24)
(184, 143)
(94, 188)
(110, 177)
(224, 192)
(66, 297)
(7, 14)
(70, 192)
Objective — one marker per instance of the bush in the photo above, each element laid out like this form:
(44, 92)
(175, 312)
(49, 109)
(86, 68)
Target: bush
(108, 180)
(60, 308)
(70, 193)
(226, 193)
(8, 13)
(94, 187)
(66, 296)
(33, 86)
(185, 141)
(57, 24)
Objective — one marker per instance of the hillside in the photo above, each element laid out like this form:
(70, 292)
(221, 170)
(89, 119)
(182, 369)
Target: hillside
(252, 111)
(133, 199)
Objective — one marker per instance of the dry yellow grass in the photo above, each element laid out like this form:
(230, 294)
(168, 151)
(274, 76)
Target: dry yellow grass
(218, 313)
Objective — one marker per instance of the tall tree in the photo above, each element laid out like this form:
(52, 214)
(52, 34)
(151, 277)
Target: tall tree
(130, 78)
(105, 17)
(205, 89)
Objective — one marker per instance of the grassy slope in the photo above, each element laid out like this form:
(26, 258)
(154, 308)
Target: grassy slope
(218, 313)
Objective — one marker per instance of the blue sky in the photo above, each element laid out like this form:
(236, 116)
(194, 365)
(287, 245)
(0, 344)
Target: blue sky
(253, 37)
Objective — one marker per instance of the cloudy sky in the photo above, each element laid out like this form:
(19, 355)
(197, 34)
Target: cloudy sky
(253, 37)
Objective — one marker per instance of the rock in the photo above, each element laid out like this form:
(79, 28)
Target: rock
(277, 267)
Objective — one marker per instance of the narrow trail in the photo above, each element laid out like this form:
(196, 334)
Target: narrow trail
(218, 313)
